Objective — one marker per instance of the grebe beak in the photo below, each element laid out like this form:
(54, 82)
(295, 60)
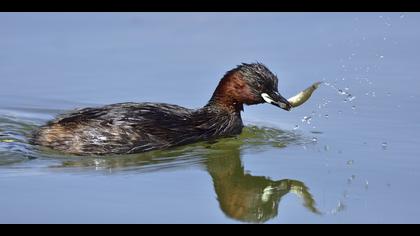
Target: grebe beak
(277, 100)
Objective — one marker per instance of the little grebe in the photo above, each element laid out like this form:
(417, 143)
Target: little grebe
(139, 127)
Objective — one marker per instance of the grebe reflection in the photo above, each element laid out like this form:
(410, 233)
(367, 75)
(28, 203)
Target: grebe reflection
(241, 195)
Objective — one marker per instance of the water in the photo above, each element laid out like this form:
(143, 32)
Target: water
(348, 155)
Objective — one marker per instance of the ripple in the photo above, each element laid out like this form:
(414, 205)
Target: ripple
(16, 150)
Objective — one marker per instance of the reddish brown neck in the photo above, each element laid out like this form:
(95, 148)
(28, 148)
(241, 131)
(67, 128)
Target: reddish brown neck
(231, 93)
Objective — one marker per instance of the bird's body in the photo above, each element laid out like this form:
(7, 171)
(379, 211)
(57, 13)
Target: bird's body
(136, 127)
(139, 127)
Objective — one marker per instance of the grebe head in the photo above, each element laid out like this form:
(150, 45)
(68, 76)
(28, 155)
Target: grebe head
(249, 84)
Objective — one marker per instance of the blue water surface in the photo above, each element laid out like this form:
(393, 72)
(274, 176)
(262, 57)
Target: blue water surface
(348, 155)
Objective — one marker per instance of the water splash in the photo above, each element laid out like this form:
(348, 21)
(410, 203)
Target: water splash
(307, 119)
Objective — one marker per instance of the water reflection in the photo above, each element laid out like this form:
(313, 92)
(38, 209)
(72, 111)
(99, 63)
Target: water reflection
(241, 195)
(249, 198)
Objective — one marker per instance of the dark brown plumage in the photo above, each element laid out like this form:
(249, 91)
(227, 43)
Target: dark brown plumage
(139, 127)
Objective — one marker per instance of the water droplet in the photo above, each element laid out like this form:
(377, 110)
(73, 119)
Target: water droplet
(341, 92)
(326, 116)
(296, 127)
(314, 140)
(350, 179)
(381, 56)
(366, 184)
(402, 16)
(346, 88)
(384, 38)
(384, 145)
(353, 107)
(326, 148)
(351, 98)
(340, 207)
(316, 132)
(350, 162)
(307, 119)
(339, 112)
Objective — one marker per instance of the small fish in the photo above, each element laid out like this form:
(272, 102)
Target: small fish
(303, 96)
